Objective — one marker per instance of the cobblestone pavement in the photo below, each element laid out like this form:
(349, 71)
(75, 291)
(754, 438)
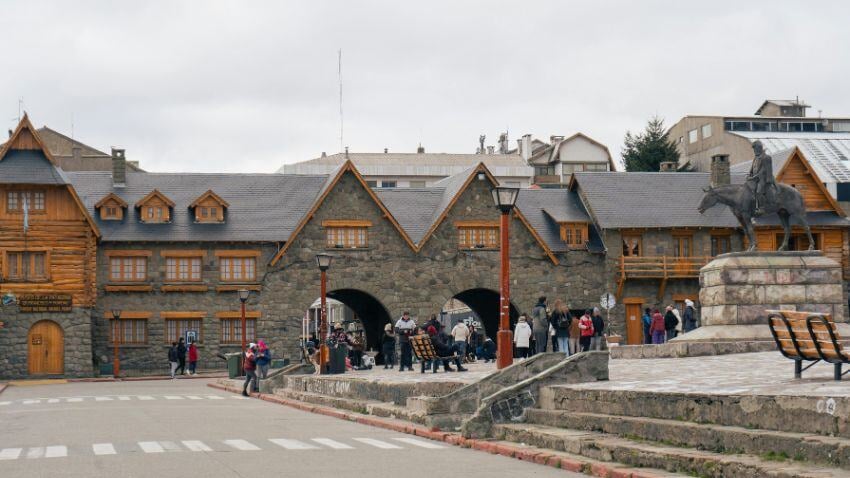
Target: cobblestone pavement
(765, 373)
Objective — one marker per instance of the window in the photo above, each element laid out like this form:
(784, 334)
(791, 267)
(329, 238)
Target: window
(183, 269)
(238, 268)
(388, 184)
(110, 212)
(720, 244)
(347, 237)
(130, 331)
(706, 131)
(34, 199)
(231, 331)
(155, 207)
(176, 328)
(631, 245)
(574, 234)
(417, 184)
(799, 242)
(478, 237)
(568, 168)
(26, 265)
(693, 136)
(372, 184)
(128, 269)
(683, 245)
(596, 167)
(544, 170)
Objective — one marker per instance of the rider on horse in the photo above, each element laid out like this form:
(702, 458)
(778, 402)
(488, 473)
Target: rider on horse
(760, 179)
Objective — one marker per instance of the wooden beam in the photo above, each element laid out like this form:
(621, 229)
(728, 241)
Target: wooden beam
(346, 223)
(129, 314)
(236, 287)
(128, 288)
(129, 253)
(237, 253)
(235, 314)
(183, 315)
(184, 288)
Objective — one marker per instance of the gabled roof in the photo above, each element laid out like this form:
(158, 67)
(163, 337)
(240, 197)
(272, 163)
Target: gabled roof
(546, 208)
(327, 186)
(155, 193)
(111, 197)
(209, 194)
(413, 208)
(26, 138)
(828, 153)
(549, 154)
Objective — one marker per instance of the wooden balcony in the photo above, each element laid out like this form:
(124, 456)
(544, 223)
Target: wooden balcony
(660, 267)
(547, 179)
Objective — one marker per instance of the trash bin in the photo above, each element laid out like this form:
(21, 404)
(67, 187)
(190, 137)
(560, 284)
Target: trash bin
(234, 364)
(336, 361)
(279, 363)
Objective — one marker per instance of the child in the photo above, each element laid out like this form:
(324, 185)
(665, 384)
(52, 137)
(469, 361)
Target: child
(193, 358)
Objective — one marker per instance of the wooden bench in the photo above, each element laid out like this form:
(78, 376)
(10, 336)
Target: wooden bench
(424, 348)
(807, 336)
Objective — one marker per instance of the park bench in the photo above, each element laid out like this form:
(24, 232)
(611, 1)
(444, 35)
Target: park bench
(424, 348)
(807, 336)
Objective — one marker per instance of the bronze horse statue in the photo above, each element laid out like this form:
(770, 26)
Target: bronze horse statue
(785, 201)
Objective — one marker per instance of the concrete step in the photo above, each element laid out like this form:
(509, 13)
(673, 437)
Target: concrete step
(607, 447)
(718, 438)
(811, 415)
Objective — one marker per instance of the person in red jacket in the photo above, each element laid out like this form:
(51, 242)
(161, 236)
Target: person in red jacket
(193, 358)
(250, 367)
(585, 324)
(656, 328)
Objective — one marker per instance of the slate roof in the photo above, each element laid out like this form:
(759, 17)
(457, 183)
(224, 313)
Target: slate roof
(413, 208)
(263, 207)
(414, 164)
(827, 153)
(545, 208)
(624, 200)
(30, 167)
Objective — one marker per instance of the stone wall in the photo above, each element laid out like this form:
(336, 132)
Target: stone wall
(77, 331)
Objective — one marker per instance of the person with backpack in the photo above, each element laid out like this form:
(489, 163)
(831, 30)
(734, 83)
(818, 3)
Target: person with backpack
(598, 329)
(540, 325)
(264, 358)
(250, 367)
(561, 322)
(172, 358)
(388, 346)
(670, 323)
(647, 322)
(585, 324)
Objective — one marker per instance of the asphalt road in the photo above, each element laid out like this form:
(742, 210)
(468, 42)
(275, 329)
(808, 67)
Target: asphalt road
(182, 428)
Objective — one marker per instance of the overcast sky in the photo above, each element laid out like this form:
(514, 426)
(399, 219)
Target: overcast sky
(247, 86)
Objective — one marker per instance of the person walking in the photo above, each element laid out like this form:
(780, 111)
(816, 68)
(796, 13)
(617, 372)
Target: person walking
(460, 334)
(193, 358)
(522, 337)
(172, 358)
(181, 356)
(647, 322)
(250, 367)
(657, 327)
(404, 329)
(388, 346)
(540, 324)
(561, 321)
(474, 342)
(598, 329)
(670, 322)
(575, 333)
(690, 316)
(585, 324)
(679, 322)
(264, 358)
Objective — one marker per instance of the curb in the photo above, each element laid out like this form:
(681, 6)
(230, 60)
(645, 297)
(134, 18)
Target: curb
(539, 456)
(142, 379)
(3, 386)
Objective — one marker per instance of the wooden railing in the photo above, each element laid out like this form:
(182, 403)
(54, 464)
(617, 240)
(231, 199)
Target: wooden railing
(661, 267)
(547, 179)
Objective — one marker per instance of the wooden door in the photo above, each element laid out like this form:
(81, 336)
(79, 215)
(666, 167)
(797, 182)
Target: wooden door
(634, 323)
(46, 344)
(683, 250)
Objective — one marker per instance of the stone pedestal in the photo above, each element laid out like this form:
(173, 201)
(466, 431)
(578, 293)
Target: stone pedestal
(737, 288)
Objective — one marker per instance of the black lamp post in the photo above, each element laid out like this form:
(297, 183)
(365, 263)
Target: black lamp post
(243, 297)
(324, 262)
(505, 199)
(116, 338)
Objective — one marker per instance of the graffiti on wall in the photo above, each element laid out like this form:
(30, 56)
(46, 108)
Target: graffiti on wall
(511, 409)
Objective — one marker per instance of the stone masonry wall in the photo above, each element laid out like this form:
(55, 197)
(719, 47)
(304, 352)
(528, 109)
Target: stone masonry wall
(76, 327)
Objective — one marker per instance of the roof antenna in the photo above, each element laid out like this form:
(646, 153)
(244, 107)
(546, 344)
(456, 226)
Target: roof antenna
(72, 125)
(339, 73)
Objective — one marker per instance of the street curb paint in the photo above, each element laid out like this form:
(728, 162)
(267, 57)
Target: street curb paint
(3, 386)
(142, 379)
(538, 456)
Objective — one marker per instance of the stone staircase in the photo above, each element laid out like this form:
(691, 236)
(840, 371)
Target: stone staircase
(700, 435)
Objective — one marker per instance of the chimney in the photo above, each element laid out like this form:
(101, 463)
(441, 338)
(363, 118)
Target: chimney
(555, 138)
(346, 152)
(668, 166)
(11, 133)
(77, 153)
(386, 150)
(324, 154)
(420, 149)
(491, 149)
(720, 174)
(525, 147)
(119, 168)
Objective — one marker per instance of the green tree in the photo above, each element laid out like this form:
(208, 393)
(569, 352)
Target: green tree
(647, 150)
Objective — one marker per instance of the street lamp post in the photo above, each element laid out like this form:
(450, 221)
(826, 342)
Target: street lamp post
(116, 338)
(505, 198)
(243, 297)
(324, 263)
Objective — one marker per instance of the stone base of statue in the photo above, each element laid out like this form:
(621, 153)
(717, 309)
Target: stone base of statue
(737, 288)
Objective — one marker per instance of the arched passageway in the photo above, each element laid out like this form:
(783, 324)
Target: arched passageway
(371, 313)
(485, 304)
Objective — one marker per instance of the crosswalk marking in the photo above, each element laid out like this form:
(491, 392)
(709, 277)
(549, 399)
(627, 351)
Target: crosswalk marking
(292, 444)
(173, 397)
(35, 452)
(242, 445)
(103, 449)
(196, 445)
(146, 397)
(5, 403)
(102, 399)
(194, 397)
(55, 451)
(74, 399)
(215, 397)
(420, 443)
(170, 446)
(123, 398)
(378, 443)
(10, 453)
(332, 444)
(150, 447)
(53, 400)
(239, 397)
(31, 402)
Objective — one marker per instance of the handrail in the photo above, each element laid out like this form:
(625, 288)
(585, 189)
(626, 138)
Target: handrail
(661, 267)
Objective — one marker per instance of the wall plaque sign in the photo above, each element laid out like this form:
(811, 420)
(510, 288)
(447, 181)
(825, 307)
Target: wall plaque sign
(44, 303)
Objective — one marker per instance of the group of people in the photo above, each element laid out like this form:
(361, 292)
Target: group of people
(658, 328)
(463, 343)
(257, 358)
(559, 329)
(177, 358)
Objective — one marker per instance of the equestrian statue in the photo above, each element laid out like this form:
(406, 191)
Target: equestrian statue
(758, 196)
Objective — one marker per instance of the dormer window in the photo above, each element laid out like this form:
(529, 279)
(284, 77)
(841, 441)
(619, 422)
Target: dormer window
(111, 208)
(574, 234)
(155, 208)
(209, 207)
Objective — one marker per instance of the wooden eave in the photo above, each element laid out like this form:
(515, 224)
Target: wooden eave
(805, 162)
(111, 197)
(209, 194)
(152, 194)
(348, 166)
(26, 124)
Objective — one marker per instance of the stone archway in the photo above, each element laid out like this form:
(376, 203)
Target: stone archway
(485, 304)
(368, 309)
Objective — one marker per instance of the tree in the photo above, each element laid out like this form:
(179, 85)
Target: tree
(647, 150)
